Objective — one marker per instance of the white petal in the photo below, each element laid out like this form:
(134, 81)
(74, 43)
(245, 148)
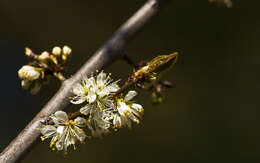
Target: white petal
(101, 77)
(103, 92)
(60, 129)
(78, 99)
(91, 81)
(130, 95)
(48, 131)
(79, 133)
(138, 107)
(86, 109)
(123, 109)
(108, 103)
(78, 89)
(91, 97)
(80, 122)
(60, 117)
(113, 87)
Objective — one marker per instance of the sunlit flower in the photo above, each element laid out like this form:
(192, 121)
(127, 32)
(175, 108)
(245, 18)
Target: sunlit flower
(99, 121)
(64, 132)
(127, 111)
(94, 89)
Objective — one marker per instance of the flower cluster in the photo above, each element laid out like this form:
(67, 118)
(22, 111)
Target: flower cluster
(103, 111)
(38, 71)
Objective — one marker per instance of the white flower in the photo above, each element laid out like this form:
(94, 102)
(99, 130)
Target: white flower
(94, 89)
(29, 73)
(127, 111)
(99, 121)
(64, 132)
(56, 51)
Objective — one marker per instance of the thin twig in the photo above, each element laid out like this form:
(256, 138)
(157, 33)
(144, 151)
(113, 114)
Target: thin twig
(108, 53)
(130, 61)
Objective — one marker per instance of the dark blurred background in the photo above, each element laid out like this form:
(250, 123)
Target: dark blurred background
(209, 116)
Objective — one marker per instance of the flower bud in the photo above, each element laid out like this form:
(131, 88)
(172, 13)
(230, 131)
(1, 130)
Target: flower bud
(28, 51)
(36, 86)
(44, 56)
(29, 73)
(66, 50)
(56, 51)
(26, 84)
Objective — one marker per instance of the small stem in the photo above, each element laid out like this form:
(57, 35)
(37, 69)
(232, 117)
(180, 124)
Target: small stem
(59, 76)
(130, 61)
(75, 114)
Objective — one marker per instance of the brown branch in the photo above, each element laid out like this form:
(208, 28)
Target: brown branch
(108, 53)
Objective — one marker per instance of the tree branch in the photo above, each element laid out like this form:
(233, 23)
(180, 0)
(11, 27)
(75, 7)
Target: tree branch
(108, 53)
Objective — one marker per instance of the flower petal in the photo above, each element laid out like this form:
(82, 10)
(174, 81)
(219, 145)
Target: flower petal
(80, 122)
(91, 97)
(130, 95)
(137, 107)
(78, 89)
(86, 109)
(113, 87)
(48, 131)
(101, 78)
(60, 117)
(78, 99)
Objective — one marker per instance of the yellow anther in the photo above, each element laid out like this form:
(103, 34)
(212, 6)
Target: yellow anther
(51, 144)
(96, 70)
(42, 138)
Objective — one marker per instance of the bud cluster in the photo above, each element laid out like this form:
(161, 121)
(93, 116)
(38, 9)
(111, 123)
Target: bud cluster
(38, 72)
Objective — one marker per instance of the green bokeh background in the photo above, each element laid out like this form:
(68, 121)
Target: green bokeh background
(211, 115)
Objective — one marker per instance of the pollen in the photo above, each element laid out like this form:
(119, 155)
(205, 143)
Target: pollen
(42, 138)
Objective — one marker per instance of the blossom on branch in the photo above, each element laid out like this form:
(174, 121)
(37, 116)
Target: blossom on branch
(127, 111)
(64, 132)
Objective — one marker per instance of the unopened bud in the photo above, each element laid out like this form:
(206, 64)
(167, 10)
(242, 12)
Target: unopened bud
(28, 51)
(66, 50)
(36, 86)
(26, 84)
(56, 51)
(29, 73)
(44, 56)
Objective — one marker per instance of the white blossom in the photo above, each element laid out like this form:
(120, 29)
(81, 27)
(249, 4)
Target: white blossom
(127, 111)
(29, 73)
(99, 121)
(64, 132)
(94, 89)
